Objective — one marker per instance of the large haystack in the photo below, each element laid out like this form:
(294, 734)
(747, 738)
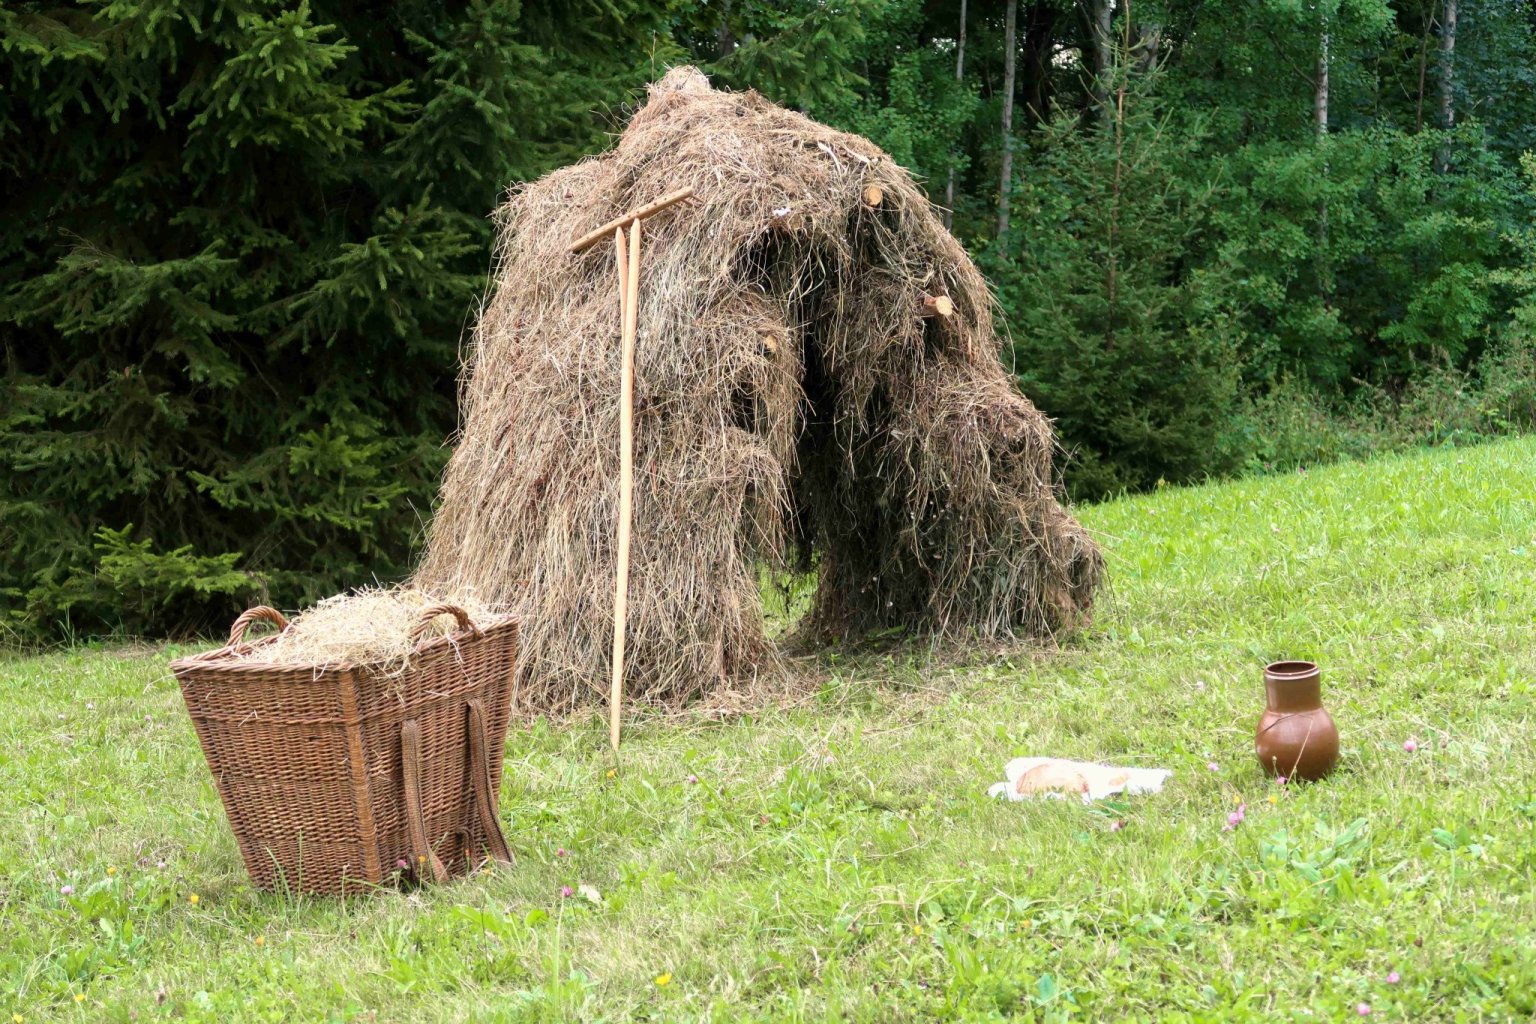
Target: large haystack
(790, 399)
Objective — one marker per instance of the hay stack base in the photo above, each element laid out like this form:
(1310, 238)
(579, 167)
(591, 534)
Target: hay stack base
(816, 384)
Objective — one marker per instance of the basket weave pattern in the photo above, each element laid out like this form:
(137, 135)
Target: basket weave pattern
(333, 776)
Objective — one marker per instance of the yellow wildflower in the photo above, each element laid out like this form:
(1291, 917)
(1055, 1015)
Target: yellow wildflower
(1273, 799)
(111, 871)
(261, 940)
(663, 980)
(79, 997)
(612, 772)
(194, 899)
(917, 929)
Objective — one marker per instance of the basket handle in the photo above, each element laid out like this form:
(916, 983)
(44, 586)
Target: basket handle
(480, 774)
(432, 612)
(239, 626)
(424, 862)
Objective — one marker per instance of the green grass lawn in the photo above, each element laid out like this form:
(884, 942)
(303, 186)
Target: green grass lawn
(838, 859)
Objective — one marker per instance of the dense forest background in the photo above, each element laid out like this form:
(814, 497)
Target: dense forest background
(243, 240)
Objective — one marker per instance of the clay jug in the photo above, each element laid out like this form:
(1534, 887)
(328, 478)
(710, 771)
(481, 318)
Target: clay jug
(1296, 737)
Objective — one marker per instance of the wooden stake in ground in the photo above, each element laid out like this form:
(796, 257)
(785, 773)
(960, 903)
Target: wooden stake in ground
(628, 262)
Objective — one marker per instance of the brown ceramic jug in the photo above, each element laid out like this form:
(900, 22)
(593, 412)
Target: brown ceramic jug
(1296, 737)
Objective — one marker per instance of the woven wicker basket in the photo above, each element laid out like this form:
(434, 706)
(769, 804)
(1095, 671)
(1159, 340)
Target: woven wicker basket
(334, 777)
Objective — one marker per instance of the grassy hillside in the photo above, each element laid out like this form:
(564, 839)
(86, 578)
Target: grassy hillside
(839, 860)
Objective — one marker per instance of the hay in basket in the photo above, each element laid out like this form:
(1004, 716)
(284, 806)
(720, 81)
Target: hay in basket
(371, 625)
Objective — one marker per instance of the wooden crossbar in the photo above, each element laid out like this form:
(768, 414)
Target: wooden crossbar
(596, 235)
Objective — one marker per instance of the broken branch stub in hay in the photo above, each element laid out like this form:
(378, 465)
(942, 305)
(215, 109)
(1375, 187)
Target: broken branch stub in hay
(936, 305)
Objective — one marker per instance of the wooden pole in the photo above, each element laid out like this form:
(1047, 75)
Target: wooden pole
(628, 262)
(631, 311)
(621, 264)
(596, 235)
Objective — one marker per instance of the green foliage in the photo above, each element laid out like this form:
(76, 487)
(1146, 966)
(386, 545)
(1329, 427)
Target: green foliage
(131, 575)
(243, 240)
(1521, 277)
(1254, 64)
(235, 276)
(1270, 277)
(1351, 268)
(1292, 425)
(911, 105)
(1496, 72)
(1127, 343)
(801, 53)
(1295, 425)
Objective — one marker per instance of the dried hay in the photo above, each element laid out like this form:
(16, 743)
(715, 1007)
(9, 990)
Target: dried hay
(791, 405)
(368, 626)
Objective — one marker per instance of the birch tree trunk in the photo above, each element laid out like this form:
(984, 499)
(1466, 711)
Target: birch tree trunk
(1320, 96)
(1320, 118)
(725, 42)
(1447, 81)
(1447, 66)
(1010, 53)
(1100, 16)
(949, 189)
(1429, 27)
(1149, 42)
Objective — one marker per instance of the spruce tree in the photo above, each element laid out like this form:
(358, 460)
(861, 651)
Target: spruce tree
(1120, 331)
(242, 242)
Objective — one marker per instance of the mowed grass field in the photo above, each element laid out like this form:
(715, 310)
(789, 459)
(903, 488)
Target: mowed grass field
(837, 859)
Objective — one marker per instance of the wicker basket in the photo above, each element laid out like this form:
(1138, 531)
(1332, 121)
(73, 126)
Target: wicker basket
(336, 777)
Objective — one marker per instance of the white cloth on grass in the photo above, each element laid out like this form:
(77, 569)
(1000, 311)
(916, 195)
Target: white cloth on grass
(1056, 778)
